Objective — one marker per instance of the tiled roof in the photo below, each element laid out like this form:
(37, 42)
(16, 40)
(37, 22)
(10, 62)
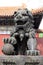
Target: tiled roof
(10, 10)
(7, 10)
(36, 11)
(4, 11)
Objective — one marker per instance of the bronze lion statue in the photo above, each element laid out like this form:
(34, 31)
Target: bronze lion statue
(22, 38)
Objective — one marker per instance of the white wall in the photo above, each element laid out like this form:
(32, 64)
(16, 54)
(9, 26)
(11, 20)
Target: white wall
(41, 25)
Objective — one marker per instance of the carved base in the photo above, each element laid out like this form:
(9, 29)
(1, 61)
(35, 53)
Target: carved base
(33, 52)
(21, 60)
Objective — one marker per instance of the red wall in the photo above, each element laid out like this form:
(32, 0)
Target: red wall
(1, 41)
(39, 43)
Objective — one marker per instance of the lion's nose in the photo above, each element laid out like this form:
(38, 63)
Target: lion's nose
(19, 16)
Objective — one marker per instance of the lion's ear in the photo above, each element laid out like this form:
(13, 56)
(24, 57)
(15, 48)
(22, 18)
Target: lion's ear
(26, 10)
(29, 13)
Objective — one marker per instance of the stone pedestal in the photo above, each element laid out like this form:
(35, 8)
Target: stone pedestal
(21, 60)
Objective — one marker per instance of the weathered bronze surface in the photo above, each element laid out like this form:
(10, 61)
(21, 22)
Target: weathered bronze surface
(22, 39)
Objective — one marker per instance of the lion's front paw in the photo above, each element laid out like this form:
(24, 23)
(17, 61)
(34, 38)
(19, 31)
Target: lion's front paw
(10, 40)
(8, 49)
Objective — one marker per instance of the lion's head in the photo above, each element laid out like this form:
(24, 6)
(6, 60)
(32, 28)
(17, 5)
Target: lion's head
(21, 16)
(23, 19)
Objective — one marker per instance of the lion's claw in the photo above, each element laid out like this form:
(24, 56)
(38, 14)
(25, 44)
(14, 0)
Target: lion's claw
(10, 40)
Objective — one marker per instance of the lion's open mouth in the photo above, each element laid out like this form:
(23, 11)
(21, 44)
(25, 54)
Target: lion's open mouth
(20, 22)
